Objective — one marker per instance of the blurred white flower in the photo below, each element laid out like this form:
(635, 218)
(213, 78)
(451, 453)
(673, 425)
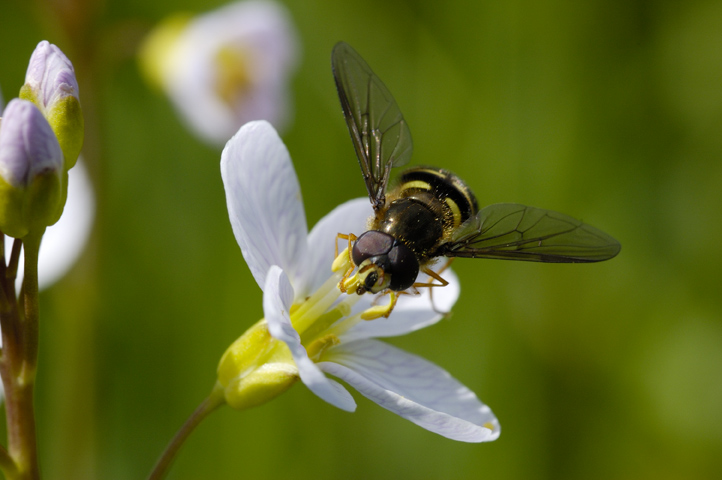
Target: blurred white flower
(63, 242)
(226, 67)
(310, 328)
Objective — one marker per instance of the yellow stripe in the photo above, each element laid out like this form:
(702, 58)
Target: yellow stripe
(454, 210)
(416, 184)
(469, 198)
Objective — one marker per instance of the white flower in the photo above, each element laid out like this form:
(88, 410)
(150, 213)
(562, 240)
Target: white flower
(317, 330)
(226, 67)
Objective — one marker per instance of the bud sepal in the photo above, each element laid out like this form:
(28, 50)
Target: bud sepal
(256, 368)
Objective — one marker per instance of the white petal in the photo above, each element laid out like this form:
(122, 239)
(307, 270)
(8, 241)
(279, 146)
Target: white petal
(413, 388)
(350, 217)
(263, 32)
(64, 242)
(412, 312)
(264, 201)
(277, 300)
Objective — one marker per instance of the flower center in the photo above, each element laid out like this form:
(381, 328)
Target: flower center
(322, 317)
(233, 80)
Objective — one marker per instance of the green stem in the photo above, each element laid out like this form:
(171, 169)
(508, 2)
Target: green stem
(8, 301)
(21, 431)
(19, 363)
(31, 303)
(214, 400)
(12, 268)
(7, 464)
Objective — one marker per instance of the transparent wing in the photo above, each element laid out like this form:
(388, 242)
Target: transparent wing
(379, 132)
(517, 232)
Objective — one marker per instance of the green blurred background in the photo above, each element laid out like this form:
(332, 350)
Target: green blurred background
(610, 111)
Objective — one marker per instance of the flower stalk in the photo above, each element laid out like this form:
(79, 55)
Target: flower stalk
(7, 465)
(19, 323)
(213, 401)
(41, 136)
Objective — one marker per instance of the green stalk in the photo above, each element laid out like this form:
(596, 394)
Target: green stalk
(19, 362)
(214, 400)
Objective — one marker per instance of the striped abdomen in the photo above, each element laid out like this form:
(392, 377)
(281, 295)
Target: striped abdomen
(425, 208)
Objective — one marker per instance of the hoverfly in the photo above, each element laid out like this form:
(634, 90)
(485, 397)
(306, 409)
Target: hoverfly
(431, 212)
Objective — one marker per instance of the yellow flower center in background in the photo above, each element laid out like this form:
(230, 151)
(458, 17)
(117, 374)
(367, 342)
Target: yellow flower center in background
(156, 56)
(232, 80)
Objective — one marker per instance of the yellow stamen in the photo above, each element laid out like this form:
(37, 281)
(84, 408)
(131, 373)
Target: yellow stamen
(323, 322)
(378, 311)
(341, 262)
(233, 80)
(316, 349)
(322, 298)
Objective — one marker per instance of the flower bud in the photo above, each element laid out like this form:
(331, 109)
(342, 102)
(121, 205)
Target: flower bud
(256, 368)
(51, 85)
(31, 171)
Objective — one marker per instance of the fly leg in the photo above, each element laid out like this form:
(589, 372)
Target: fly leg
(435, 276)
(378, 311)
(350, 238)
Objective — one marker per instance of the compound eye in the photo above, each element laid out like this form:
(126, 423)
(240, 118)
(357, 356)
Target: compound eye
(404, 267)
(371, 244)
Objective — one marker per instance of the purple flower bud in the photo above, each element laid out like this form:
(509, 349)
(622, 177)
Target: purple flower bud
(51, 85)
(32, 193)
(28, 146)
(50, 75)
